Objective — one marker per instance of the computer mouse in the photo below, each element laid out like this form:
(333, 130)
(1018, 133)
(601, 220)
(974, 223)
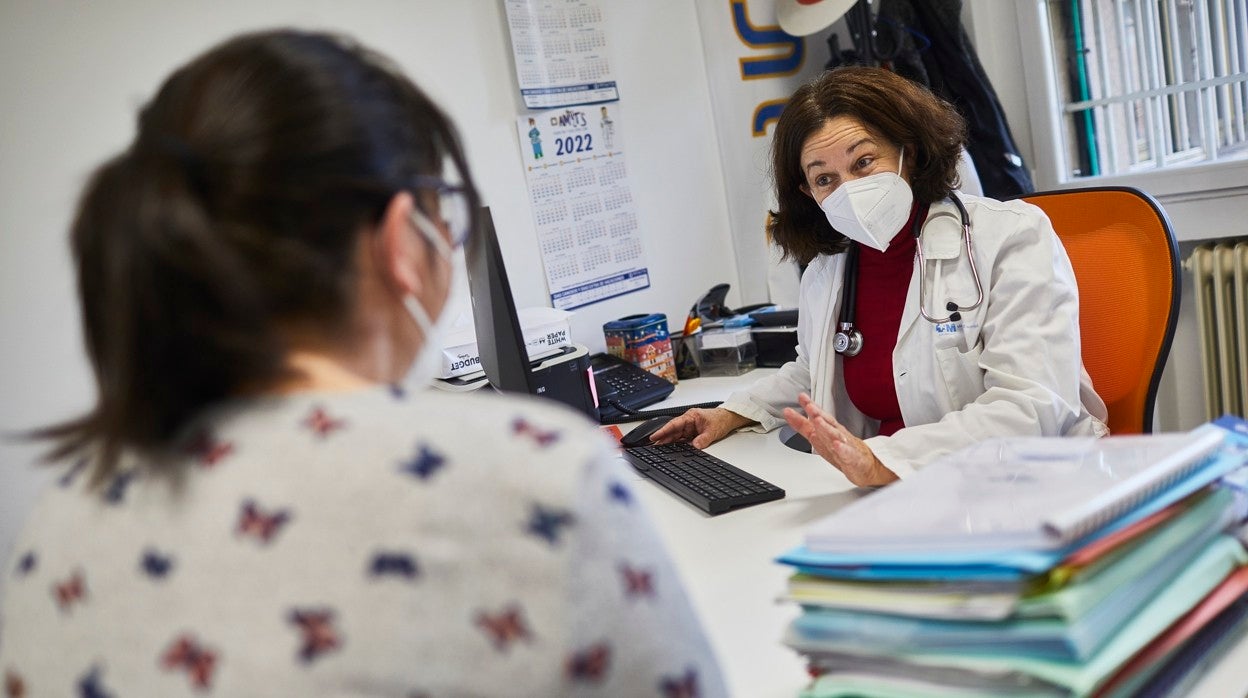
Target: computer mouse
(640, 434)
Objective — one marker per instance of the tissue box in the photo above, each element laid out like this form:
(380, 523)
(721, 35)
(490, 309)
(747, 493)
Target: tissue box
(546, 331)
(727, 352)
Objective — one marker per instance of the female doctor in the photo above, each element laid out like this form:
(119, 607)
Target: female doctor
(929, 319)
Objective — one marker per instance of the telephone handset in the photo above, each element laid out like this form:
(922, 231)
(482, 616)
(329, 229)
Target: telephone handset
(623, 389)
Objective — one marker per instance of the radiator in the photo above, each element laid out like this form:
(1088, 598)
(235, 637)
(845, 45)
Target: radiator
(1220, 275)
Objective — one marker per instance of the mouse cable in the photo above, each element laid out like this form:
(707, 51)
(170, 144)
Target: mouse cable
(631, 415)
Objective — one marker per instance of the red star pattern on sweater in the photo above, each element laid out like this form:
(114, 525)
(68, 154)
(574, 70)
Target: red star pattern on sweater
(637, 581)
(70, 591)
(14, 686)
(590, 665)
(259, 524)
(322, 424)
(543, 439)
(207, 450)
(504, 628)
(319, 635)
(187, 654)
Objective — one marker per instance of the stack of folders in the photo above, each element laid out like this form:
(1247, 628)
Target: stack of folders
(1032, 567)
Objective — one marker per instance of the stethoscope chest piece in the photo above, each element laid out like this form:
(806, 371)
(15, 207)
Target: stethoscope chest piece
(848, 341)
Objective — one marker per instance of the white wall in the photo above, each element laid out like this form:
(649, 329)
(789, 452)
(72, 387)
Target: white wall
(73, 74)
(991, 25)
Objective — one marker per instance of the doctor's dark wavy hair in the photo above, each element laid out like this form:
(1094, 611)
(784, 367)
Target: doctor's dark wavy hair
(889, 106)
(236, 208)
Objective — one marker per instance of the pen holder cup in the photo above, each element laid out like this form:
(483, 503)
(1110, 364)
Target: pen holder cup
(686, 356)
(728, 352)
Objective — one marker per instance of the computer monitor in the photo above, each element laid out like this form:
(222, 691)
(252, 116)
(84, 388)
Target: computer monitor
(500, 342)
(565, 377)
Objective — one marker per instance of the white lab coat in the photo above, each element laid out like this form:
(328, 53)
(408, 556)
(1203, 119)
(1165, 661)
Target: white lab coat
(1011, 366)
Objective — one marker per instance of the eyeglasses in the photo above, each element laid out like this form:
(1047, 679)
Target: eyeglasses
(451, 212)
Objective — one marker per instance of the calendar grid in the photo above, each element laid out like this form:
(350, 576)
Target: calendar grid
(560, 51)
(582, 203)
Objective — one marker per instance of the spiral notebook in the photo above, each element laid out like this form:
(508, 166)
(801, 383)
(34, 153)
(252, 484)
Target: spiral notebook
(1022, 493)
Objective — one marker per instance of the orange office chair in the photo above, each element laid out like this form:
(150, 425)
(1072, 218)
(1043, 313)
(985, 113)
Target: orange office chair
(1126, 262)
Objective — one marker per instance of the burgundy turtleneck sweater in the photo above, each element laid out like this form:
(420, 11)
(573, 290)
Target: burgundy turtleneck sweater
(883, 280)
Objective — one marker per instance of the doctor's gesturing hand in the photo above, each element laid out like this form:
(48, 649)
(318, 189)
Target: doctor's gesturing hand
(828, 438)
(700, 427)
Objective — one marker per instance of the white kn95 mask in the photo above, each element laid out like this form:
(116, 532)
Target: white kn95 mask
(871, 210)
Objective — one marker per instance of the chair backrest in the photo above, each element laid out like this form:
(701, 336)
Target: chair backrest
(1126, 262)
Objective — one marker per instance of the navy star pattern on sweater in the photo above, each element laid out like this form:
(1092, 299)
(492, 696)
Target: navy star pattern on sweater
(116, 491)
(425, 463)
(683, 686)
(291, 526)
(72, 473)
(394, 565)
(155, 565)
(91, 685)
(548, 524)
(620, 494)
(27, 563)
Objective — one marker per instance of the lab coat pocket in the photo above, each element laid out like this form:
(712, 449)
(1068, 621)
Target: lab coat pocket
(964, 379)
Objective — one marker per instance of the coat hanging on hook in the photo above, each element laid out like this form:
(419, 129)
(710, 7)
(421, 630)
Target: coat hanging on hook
(951, 69)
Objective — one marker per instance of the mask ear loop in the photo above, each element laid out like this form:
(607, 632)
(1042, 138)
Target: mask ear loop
(430, 233)
(419, 315)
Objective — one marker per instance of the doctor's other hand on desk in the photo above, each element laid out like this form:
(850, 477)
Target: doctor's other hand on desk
(700, 427)
(928, 319)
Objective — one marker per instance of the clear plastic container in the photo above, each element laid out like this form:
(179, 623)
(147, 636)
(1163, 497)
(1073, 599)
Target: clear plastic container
(726, 352)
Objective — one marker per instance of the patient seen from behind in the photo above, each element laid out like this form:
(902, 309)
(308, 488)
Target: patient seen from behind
(264, 500)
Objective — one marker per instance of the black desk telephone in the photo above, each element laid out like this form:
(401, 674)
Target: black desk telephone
(624, 388)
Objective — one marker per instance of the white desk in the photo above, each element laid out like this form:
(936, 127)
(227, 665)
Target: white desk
(727, 561)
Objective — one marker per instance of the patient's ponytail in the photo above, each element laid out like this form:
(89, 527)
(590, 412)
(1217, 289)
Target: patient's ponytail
(236, 207)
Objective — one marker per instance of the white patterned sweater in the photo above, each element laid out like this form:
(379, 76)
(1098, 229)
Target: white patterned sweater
(355, 544)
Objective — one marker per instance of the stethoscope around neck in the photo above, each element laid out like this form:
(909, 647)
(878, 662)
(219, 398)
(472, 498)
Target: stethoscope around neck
(848, 339)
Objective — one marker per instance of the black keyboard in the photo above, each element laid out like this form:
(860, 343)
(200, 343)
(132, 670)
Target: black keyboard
(703, 480)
